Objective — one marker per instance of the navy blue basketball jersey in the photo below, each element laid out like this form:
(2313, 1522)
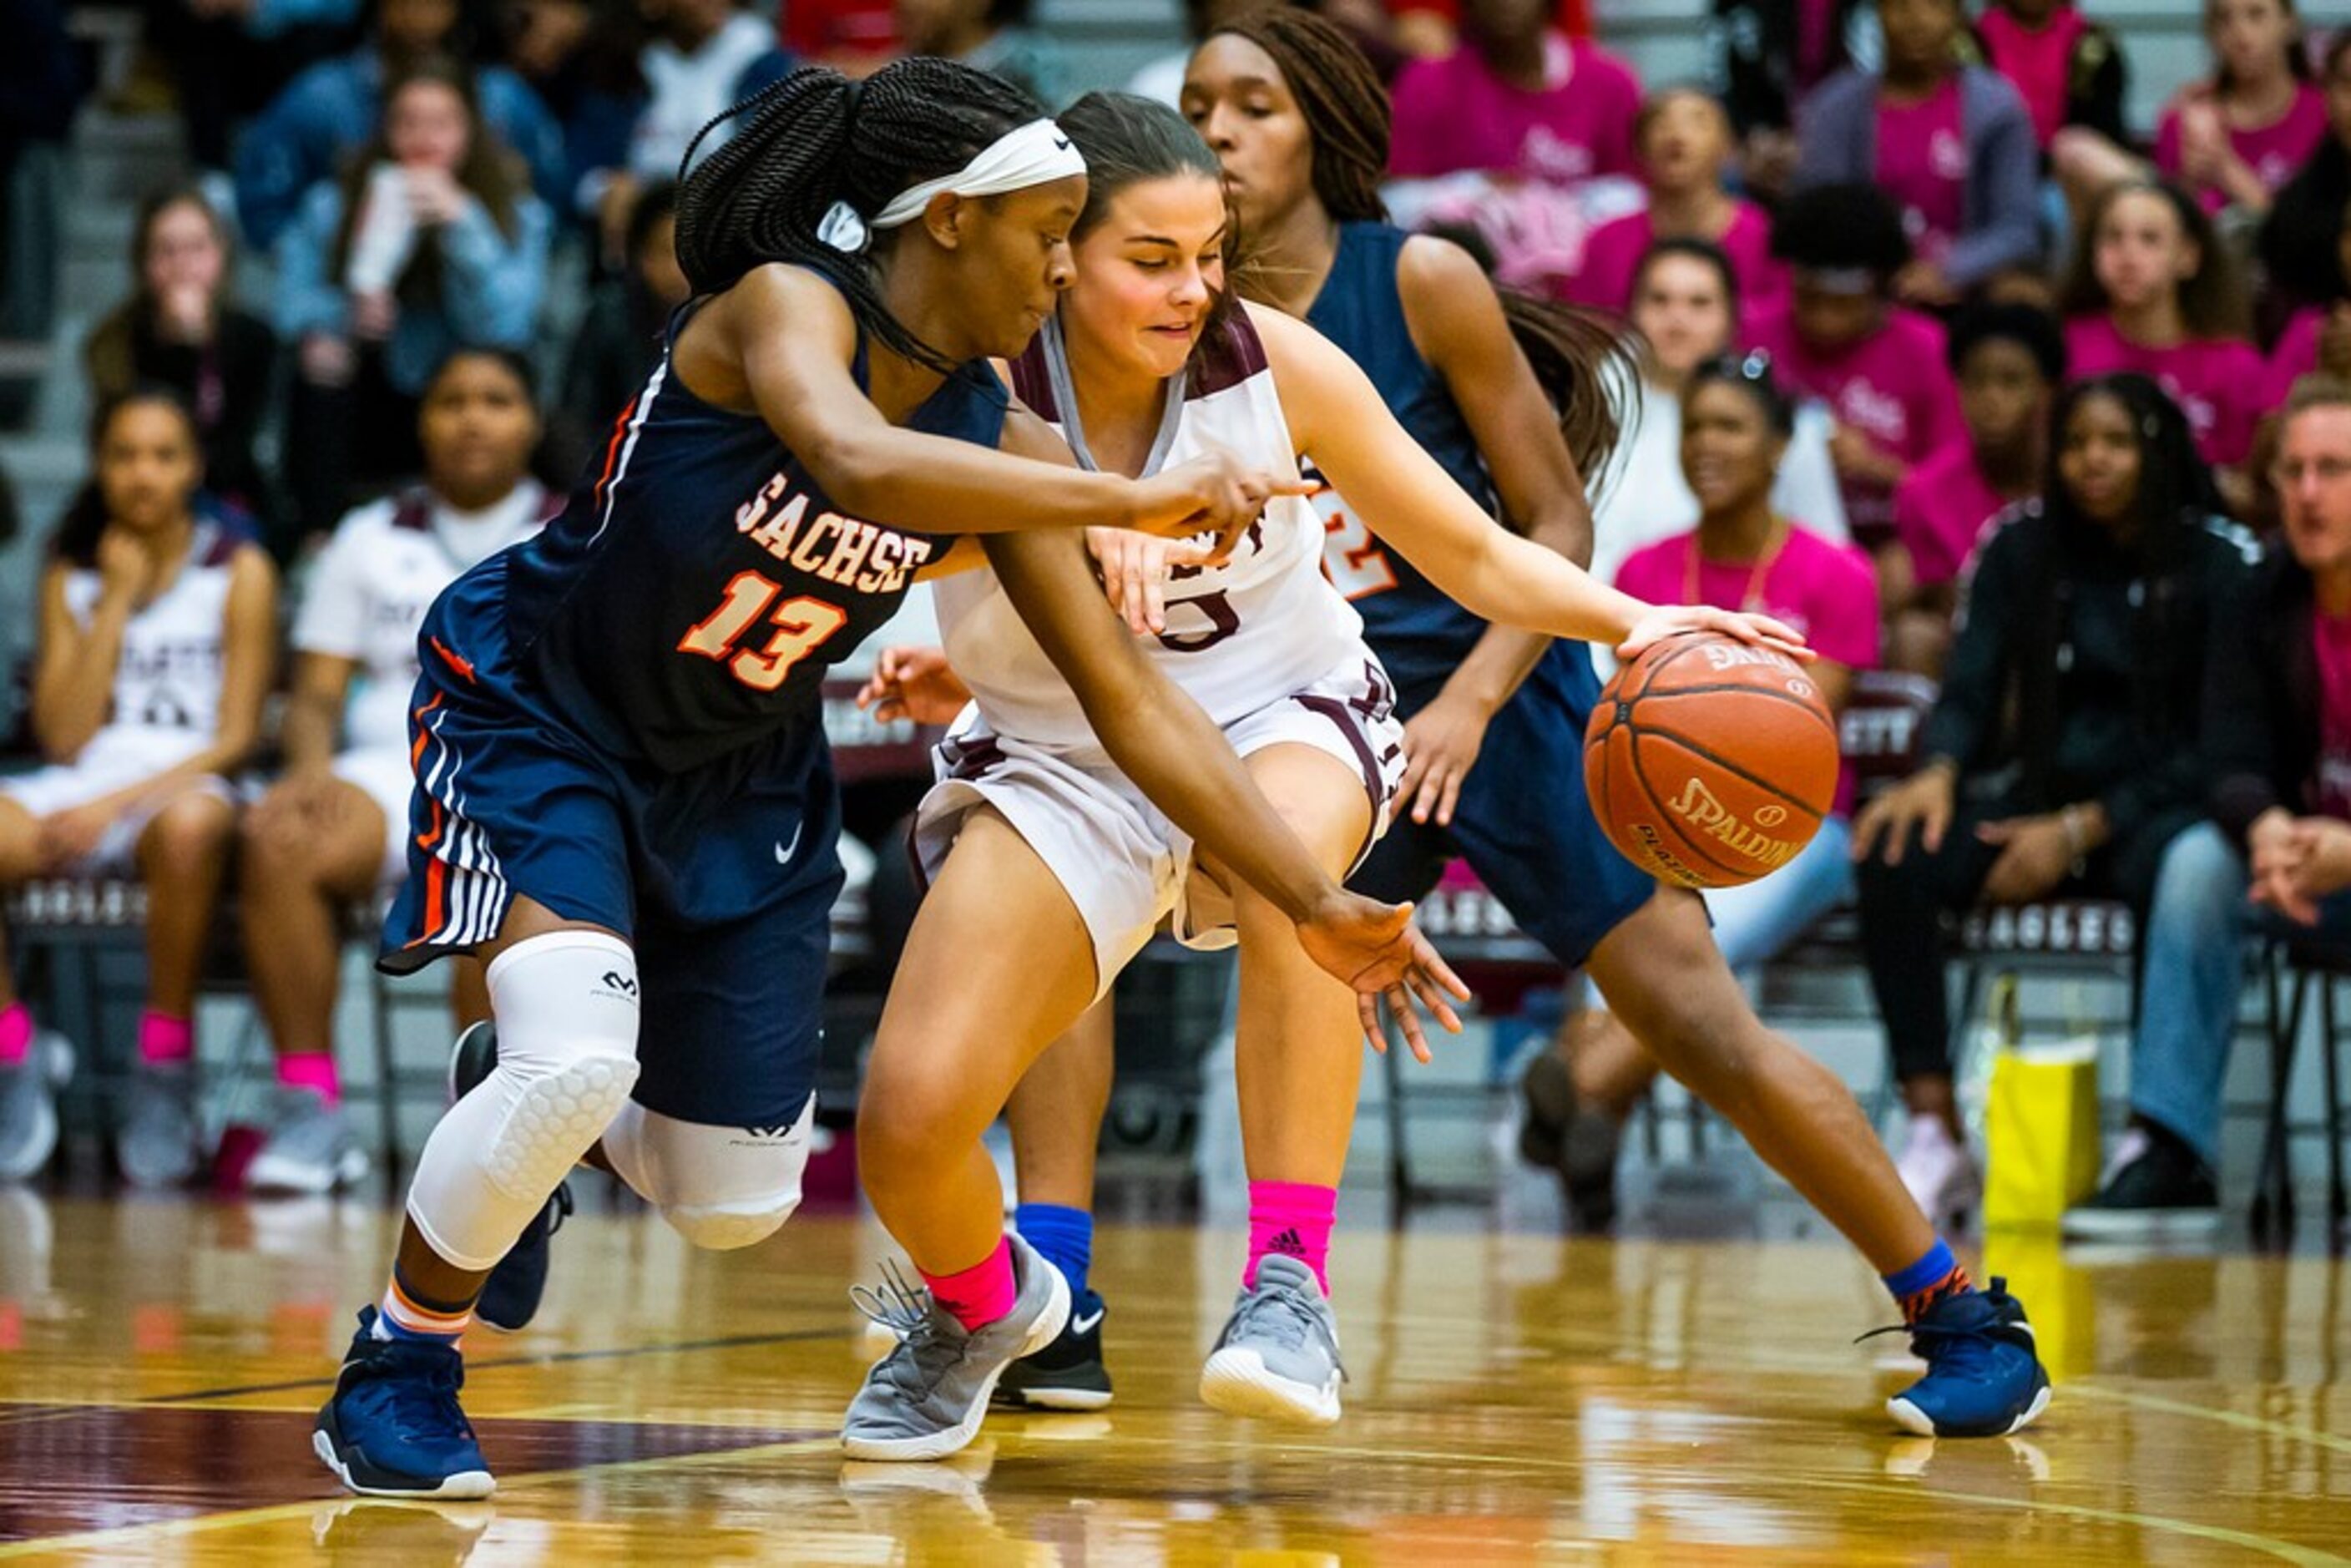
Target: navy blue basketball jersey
(688, 602)
(1408, 619)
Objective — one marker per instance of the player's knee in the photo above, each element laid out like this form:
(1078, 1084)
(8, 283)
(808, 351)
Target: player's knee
(190, 832)
(719, 1187)
(567, 1011)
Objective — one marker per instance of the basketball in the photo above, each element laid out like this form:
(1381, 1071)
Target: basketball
(1711, 762)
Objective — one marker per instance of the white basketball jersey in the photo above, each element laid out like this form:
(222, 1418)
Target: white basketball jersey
(1240, 635)
(168, 681)
(368, 594)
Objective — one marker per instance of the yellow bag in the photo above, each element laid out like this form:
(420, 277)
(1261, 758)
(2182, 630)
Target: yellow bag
(2041, 1123)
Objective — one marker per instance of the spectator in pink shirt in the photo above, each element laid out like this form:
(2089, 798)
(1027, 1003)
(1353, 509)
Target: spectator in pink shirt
(1949, 141)
(1736, 424)
(2009, 360)
(2152, 290)
(2235, 138)
(1683, 139)
(1516, 99)
(2318, 337)
(1841, 340)
(2068, 69)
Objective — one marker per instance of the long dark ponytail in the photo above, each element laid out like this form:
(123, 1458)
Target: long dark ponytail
(815, 138)
(1573, 351)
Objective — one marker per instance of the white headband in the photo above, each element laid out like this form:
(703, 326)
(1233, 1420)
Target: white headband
(1032, 154)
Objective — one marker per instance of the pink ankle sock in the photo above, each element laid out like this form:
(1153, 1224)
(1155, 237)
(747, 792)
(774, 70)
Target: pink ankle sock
(1294, 1219)
(978, 1295)
(15, 1033)
(314, 1070)
(165, 1039)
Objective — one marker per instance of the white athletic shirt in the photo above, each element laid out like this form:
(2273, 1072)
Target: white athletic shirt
(167, 683)
(371, 585)
(1240, 635)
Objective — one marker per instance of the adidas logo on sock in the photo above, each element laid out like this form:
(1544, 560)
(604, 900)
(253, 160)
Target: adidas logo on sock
(1289, 1244)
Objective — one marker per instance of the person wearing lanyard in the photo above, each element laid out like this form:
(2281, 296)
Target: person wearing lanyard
(1744, 555)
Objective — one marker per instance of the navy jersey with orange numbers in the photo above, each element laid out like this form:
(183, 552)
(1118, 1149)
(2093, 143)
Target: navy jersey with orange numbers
(1409, 620)
(689, 600)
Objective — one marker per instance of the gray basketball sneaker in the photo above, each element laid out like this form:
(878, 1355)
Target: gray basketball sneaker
(312, 1148)
(924, 1400)
(1279, 1356)
(28, 1105)
(157, 1145)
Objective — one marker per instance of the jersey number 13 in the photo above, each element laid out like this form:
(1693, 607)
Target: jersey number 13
(801, 625)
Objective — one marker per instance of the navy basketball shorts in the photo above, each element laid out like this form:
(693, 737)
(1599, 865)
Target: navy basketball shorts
(723, 880)
(1522, 820)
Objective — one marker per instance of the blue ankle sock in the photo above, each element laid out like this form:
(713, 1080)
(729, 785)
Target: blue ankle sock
(1062, 1236)
(1931, 1278)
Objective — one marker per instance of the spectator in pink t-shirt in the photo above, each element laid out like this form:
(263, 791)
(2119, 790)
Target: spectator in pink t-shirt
(1736, 423)
(2068, 69)
(1949, 141)
(2010, 360)
(2318, 337)
(1516, 99)
(2153, 290)
(1841, 340)
(2236, 140)
(1683, 138)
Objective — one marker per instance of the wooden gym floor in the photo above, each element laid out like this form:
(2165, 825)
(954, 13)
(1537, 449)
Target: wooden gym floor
(1514, 1397)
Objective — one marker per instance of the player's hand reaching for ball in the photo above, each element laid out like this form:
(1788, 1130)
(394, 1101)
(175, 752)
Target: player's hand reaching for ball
(1380, 953)
(913, 685)
(1216, 492)
(1664, 621)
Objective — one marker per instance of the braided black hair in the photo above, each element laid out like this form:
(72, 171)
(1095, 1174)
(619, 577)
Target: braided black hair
(815, 136)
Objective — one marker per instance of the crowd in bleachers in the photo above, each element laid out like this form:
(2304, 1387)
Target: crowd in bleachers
(1939, 358)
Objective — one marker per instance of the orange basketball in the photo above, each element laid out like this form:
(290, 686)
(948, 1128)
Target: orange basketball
(1711, 762)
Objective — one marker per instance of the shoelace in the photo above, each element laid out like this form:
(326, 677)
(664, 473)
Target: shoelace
(562, 1201)
(904, 1308)
(1291, 1319)
(420, 1394)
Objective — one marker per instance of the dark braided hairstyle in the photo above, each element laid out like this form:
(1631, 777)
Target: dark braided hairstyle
(1347, 110)
(815, 136)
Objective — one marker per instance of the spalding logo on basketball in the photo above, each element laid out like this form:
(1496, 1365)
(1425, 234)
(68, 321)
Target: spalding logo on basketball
(1710, 761)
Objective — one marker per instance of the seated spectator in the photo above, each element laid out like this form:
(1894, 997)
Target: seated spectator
(2236, 139)
(2009, 360)
(704, 56)
(1685, 307)
(583, 59)
(2277, 743)
(1683, 142)
(991, 36)
(1769, 56)
(2297, 248)
(1950, 142)
(1879, 368)
(2317, 337)
(620, 338)
(228, 59)
(157, 624)
(331, 112)
(1517, 100)
(334, 831)
(1745, 554)
(430, 242)
(2061, 757)
(2067, 69)
(180, 329)
(2154, 290)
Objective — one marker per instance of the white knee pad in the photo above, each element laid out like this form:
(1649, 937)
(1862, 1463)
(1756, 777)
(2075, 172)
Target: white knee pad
(719, 1187)
(567, 1008)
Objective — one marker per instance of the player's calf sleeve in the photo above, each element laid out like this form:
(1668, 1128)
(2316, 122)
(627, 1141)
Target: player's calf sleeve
(567, 1011)
(719, 1187)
